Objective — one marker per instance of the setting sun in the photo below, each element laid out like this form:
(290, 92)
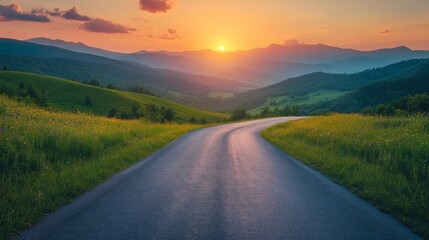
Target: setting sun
(221, 48)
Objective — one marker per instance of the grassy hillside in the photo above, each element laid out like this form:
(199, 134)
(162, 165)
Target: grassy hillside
(382, 159)
(48, 158)
(66, 95)
(322, 95)
(310, 84)
(382, 92)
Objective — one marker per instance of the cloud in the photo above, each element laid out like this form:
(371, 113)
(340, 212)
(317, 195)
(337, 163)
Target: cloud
(155, 6)
(149, 35)
(170, 35)
(104, 26)
(56, 12)
(37, 11)
(13, 12)
(387, 31)
(291, 42)
(96, 25)
(72, 14)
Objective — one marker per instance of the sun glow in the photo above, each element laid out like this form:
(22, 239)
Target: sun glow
(221, 48)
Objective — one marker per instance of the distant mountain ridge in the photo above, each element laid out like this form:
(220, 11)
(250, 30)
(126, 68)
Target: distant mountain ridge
(76, 47)
(54, 61)
(258, 67)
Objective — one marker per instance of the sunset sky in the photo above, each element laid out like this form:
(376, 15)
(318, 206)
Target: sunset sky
(176, 25)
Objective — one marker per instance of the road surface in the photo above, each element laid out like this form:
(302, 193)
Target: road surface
(222, 182)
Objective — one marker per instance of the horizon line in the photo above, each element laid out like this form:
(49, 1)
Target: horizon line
(214, 50)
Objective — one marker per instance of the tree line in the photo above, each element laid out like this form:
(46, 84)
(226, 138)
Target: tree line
(27, 93)
(242, 114)
(406, 106)
(150, 112)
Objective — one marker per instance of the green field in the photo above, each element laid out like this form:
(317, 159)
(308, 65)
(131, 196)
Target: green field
(384, 160)
(66, 95)
(311, 98)
(47, 158)
(220, 95)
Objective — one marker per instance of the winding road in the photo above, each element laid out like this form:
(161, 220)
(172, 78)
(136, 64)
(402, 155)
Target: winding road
(221, 182)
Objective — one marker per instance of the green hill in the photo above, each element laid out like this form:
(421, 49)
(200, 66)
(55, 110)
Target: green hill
(383, 92)
(308, 89)
(66, 95)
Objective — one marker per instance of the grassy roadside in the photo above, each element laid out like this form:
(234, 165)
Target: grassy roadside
(384, 160)
(48, 158)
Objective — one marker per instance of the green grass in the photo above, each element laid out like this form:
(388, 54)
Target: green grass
(66, 95)
(48, 158)
(383, 160)
(311, 98)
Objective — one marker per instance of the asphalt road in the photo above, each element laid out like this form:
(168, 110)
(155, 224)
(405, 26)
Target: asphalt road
(222, 182)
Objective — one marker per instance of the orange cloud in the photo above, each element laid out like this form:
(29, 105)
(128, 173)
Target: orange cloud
(99, 25)
(72, 14)
(155, 6)
(170, 35)
(56, 12)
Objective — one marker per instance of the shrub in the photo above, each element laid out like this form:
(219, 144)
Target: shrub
(239, 114)
(87, 101)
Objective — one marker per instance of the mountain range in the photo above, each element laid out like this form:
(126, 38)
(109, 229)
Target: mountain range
(59, 62)
(258, 67)
(312, 76)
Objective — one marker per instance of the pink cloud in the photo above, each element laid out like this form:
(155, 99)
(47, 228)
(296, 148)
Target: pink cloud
(155, 6)
(13, 12)
(99, 25)
(170, 35)
(56, 12)
(72, 14)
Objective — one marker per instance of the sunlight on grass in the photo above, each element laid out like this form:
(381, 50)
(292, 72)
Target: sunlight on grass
(48, 158)
(67, 95)
(384, 160)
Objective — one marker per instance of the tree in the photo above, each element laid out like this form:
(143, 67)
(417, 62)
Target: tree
(112, 113)
(124, 114)
(368, 111)
(140, 89)
(42, 100)
(265, 112)
(94, 82)
(239, 114)
(6, 68)
(295, 110)
(168, 114)
(135, 111)
(88, 101)
(286, 111)
(31, 91)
